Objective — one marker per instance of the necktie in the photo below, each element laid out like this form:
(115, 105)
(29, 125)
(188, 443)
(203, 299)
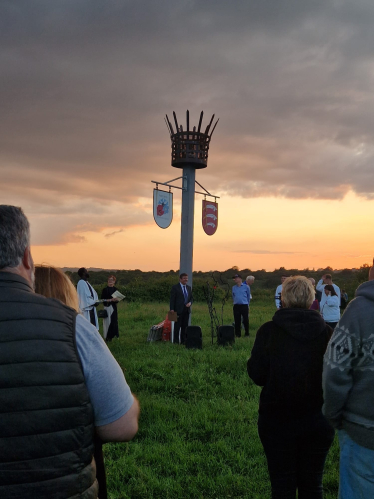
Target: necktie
(185, 294)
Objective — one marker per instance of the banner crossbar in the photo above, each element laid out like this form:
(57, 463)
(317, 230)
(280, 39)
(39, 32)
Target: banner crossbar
(168, 183)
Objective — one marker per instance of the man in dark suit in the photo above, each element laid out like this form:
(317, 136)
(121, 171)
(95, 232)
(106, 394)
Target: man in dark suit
(180, 302)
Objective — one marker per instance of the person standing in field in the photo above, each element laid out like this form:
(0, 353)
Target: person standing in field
(315, 304)
(330, 310)
(241, 298)
(348, 380)
(286, 360)
(249, 280)
(60, 383)
(87, 297)
(326, 279)
(343, 300)
(110, 323)
(180, 302)
(278, 293)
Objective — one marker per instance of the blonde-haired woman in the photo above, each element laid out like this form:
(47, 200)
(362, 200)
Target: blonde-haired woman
(51, 282)
(286, 360)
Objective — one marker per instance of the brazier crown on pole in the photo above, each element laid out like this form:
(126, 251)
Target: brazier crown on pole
(190, 147)
(189, 151)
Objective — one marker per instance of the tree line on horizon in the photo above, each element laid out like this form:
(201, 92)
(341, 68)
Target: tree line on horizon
(141, 286)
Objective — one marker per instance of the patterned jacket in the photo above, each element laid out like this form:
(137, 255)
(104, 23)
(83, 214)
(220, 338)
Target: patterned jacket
(348, 374)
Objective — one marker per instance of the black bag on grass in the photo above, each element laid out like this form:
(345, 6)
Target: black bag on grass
(194, 337)
(226, 335)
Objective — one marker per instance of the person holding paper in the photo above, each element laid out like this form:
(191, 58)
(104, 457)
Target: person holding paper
(87, 297)
(110, 323)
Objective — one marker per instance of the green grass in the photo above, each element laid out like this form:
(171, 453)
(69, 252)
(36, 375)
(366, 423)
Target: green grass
(198, 426)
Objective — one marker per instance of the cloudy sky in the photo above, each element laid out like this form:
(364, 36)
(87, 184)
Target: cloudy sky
(85, 86)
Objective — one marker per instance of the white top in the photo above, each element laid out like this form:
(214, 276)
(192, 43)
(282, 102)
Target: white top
(109, 392)
(320, 287)
(278, 292)
(330, 310)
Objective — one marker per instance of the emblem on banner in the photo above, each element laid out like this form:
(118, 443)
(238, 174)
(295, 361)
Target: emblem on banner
(210, 217)
(162, 208)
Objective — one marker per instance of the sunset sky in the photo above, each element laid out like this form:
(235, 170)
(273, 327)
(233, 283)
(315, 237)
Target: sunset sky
(85, 86)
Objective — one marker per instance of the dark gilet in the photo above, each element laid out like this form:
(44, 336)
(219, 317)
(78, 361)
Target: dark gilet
(46, 417)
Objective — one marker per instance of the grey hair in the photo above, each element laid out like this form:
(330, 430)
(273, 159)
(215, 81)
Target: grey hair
(14, 235)
(250, 278)
(297, 292)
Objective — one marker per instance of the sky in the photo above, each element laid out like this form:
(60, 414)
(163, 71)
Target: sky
(85, 86)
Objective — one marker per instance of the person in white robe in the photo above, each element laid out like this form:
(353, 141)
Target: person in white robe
(278, 293)
(87, 297)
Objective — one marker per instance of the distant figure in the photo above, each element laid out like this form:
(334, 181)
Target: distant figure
(180, 302)
(348, 380)
(278, 293)
(326, 279)
(330, 310)
(286, 361)
(343, 300)
(249, 280)
(241, 298)
(87, 297)
(315, 304)
(60, 384)
(110, 323)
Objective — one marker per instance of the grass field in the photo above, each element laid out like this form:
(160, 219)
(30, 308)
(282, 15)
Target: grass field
(198, 426)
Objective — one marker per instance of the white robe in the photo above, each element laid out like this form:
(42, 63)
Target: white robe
(107, 320)
(86, 302)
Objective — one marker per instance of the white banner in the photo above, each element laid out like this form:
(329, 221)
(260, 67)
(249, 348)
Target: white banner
(162, 208)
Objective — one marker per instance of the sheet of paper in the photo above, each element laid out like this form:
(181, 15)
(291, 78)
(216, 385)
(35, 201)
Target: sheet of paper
(119, 296)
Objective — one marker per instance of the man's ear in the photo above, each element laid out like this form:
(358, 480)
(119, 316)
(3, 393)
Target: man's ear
(27, 259)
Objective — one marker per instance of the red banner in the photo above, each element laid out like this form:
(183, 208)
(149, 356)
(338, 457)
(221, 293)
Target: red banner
(210, 217)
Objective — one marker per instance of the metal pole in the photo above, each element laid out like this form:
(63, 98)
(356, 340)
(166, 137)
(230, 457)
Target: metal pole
(187, 224)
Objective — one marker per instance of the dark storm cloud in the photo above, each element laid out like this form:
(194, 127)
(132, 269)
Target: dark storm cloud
(85, 86)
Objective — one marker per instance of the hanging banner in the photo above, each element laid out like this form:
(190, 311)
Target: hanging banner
(210, 217)
(162, 208)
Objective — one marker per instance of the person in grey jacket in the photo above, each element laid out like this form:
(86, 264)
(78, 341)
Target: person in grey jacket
(348, 380)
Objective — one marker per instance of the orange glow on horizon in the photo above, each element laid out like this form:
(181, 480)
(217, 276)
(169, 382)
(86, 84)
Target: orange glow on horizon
(259, 233)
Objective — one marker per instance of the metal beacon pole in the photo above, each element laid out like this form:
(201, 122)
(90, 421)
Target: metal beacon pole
(189, 152)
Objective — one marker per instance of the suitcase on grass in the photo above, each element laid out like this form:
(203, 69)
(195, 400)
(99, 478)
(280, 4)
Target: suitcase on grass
(226, 335)
(194, 337)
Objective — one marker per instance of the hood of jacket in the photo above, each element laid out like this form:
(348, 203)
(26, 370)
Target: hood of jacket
(303, 324)
(366, 290)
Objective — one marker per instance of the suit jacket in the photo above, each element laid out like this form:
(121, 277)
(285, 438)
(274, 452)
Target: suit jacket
(177, 298)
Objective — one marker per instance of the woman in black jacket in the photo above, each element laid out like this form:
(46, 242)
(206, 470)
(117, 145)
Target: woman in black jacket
(286, 360)
(110, 323)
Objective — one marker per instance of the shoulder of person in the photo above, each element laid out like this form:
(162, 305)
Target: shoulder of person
(266, 329)
(358, 305)
(85, 328)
